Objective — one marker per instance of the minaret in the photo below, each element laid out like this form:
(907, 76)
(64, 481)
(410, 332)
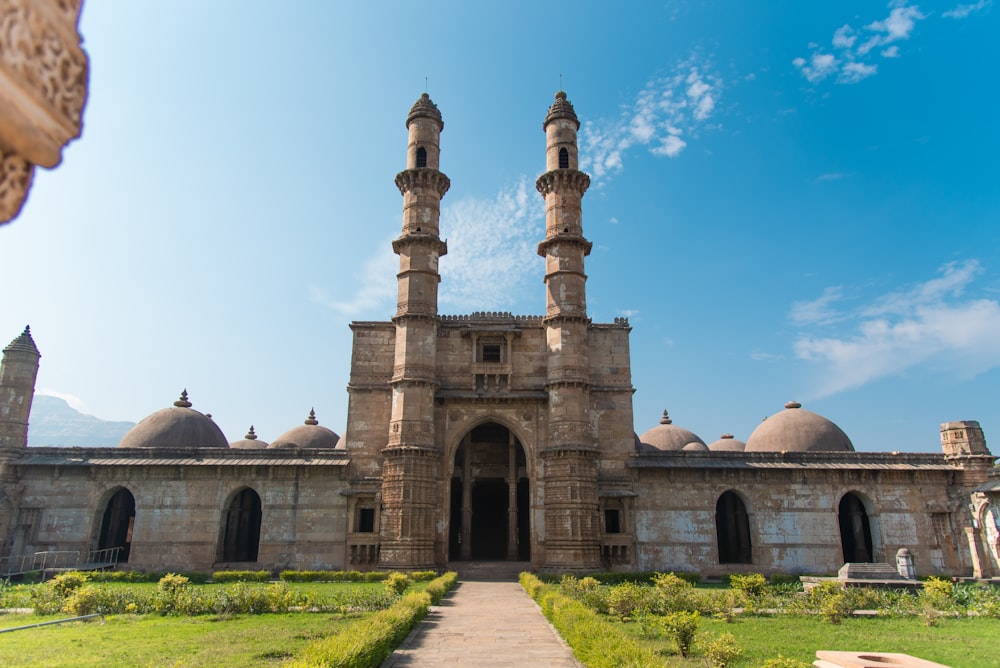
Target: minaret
(571, 507)
(410, 495)
(18, 371)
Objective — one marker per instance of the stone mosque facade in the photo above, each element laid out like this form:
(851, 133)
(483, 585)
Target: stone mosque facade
(492, 437)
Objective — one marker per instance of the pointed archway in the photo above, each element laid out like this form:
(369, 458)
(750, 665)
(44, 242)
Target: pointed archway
(855, 530)
(732, 528)
(241, 535)
(489, 518)
(117, 523)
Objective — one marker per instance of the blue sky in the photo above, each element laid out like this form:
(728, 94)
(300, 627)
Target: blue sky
(789, 201)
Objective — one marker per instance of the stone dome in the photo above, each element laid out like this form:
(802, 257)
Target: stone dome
(695, 446)
(727, 443)
(249, 442)
(308, 435)
(798, 430)
(668, 436)
(425, 108)
(179, 426)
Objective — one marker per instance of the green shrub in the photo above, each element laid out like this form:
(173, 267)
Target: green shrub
(440, 586)
(241, 576)
(722, 651)
(172, 583)
(82, 601)
(46, 600)
(784, 662)
(937, 594)
(65, 583)
(681, 627)
(397, 583)
(628, 598)
(674, 592)
(422, 576)
(752, 585)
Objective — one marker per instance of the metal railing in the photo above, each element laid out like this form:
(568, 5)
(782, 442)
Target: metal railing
(60, 560)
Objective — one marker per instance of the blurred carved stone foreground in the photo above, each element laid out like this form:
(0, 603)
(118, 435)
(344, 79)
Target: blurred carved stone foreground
(43, 87)
(827, 659)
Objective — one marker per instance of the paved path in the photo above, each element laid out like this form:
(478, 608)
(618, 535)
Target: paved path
(483, 624)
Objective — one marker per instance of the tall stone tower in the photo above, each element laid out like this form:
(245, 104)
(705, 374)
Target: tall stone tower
(412, 459)
(18, 371)
(572, 528)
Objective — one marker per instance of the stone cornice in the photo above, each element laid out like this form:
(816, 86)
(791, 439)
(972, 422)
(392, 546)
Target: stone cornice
(563, 180)
(422, 177)
(564, 240)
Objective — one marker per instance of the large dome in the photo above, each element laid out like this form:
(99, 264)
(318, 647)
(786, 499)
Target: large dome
(308, 435)
(249, 442)
(668, 436)
(177, 427)
(727, 443)
(798, 430)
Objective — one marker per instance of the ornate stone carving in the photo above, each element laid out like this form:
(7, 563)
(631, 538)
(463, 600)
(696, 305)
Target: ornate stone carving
(411, 179)
(43, 88)
(563, 180)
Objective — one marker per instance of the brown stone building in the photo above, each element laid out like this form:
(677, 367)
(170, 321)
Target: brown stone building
(487, 436)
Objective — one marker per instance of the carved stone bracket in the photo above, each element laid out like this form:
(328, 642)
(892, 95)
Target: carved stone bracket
(43, 88)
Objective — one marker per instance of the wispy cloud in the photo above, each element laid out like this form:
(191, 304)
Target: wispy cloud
(831, 176)
(848, 59)
(930, 324)
(962, 11)
(669, 111)
(491, 258)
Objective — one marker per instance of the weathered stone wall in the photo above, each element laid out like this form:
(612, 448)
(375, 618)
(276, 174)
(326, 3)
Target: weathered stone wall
(793, 517)
(180, 512)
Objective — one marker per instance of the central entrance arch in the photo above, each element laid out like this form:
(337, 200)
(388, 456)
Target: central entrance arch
(489, 518)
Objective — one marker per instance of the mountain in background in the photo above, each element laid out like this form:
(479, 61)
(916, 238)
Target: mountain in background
(54, 422)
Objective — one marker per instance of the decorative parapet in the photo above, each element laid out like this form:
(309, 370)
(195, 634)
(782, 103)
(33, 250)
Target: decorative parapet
(493, 317)
(43, 88)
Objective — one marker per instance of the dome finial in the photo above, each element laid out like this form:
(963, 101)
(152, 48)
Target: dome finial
(561, 108)
(425, 108)
(23, 343)
(666, 418)
(251, 435)
(793, 404)
(311, 420)
(183, 401)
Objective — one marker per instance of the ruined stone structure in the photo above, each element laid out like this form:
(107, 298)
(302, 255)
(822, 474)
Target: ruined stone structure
(488, 436)
(43, 87)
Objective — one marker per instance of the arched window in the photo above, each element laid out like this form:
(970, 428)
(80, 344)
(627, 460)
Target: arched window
(732, 527)
(855, 530)
(563, 159)
(116, 525)
(241, 537)
(421, 157)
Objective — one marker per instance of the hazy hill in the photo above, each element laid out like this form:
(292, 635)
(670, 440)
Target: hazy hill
(54, 422)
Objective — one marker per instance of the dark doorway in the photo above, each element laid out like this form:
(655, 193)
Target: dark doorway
(490, 472)
(116, 526)
(732, 528)
(489, 519)
(855, 530)
(242, 534)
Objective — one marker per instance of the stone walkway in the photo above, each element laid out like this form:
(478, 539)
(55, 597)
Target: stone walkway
(483, 624)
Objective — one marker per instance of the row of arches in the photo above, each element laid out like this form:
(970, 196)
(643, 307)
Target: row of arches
(732, 527)
(239, 538)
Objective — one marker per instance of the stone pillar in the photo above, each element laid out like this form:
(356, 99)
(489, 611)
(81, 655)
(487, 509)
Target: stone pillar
(43, 87)
(466, 546)
(18, 371)
(572, 527)
(980, 561)
(904, 564)
(511, 498)
(410, 494)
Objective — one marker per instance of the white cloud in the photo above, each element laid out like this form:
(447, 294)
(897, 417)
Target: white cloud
(831, 176)
(962, 11)
(850, 61)
(377, 281)
(667, 109)
(930, 324)
(75, 402)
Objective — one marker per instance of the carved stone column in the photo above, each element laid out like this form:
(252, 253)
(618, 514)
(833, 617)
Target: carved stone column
(43, 87)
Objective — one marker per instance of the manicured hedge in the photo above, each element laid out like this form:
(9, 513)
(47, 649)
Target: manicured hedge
(350, 576)
(595, 642)
(369, 642)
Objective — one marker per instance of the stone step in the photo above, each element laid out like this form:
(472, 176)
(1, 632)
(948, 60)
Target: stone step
(489, 571)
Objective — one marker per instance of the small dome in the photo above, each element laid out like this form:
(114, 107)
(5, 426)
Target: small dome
(249, 442)
(561, 108)
(177, 427)
(667, 436)
(425, 108)
(727, 443)
(798, 430)
(308, 435)
(695, 447)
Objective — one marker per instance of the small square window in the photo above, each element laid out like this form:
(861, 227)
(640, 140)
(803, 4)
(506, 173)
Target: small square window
(491, 352)
(612, 521)
(366, 520)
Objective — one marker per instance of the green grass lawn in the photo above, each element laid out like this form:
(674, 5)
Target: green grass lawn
(154, 640)
(960, 643)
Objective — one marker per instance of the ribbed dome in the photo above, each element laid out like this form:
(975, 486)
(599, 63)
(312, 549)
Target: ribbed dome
(178, 427)
(727, 443)
(23, 343)
(561, 108)
(668, 436)
(308, 435)
(798, 430)
(249, 442)
(424, 108)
